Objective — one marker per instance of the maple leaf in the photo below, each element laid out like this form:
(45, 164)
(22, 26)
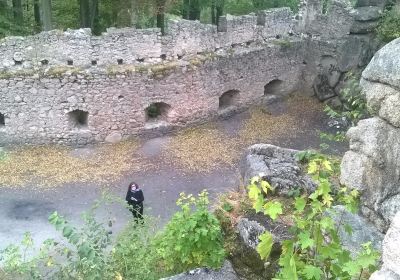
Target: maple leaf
(265, 245)
(305, 240)
(273, 209)
(312, 272)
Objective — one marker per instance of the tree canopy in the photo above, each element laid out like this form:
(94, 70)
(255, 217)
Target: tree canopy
(24, 17)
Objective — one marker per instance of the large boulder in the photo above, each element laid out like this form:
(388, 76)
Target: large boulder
(245, 258)
(391, 253)
(373, 163)
(277, 165)
(225, 273)
(384, 67)
(362, 230)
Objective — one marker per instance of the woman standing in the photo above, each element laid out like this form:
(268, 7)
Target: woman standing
(135, 198)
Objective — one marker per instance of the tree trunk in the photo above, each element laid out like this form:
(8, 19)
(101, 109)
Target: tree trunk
(17, 11)
(220, 10)
(45, 7)
(133, 11)
(213, 15)
(36, 12)
(84, 13)
(185, 9)
(161, 15)
(194, 10)
(95, 18)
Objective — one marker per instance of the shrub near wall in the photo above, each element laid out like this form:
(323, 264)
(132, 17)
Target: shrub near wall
(193, 237)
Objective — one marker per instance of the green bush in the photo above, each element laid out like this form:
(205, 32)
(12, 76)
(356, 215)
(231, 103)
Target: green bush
(193, 237)
(389, 27)
(88, 252)
(315, 251)
(134, 255)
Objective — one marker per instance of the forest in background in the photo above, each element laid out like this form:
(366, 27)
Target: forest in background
(25, 17)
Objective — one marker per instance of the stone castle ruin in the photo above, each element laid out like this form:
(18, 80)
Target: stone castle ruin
(74, 88)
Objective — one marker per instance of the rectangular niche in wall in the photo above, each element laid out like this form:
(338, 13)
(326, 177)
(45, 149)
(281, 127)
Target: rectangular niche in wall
(2, 120)
(78, 118)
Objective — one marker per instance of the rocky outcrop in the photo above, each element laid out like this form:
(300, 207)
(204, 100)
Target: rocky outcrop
(373, 163)
(277, 165)
(391, 253)
(225, 273)
(362, 231)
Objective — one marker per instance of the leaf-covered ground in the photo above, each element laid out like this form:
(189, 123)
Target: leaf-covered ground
(52, 166)
(201, 149)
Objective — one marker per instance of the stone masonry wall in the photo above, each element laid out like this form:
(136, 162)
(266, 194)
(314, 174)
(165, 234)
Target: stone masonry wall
(112, 79)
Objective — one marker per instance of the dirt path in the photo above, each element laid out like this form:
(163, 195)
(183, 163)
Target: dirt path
(189, 161)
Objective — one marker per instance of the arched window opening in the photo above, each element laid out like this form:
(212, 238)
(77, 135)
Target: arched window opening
(273, 87)
(228, 99)
(158, 111)
(78, 118)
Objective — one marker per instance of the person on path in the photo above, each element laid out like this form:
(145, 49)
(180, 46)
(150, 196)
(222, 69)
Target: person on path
(135, 199)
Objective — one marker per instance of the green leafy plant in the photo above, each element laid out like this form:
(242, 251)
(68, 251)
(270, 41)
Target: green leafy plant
(354, 103)
(134, 246)
(227, 206)
(389, 26)
(315, 251)
(193, 237)
(86, 254)
(354, 108)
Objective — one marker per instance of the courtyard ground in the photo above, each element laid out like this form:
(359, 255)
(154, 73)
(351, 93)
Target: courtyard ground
(35, 181)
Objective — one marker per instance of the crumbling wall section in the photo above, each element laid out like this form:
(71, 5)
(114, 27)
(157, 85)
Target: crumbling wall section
(111, 79)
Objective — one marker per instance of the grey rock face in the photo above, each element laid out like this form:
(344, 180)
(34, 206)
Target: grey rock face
(384, 274)
(372, 165)
(322, 88)
(362, 230)
(391, 246)
(363, 27)
(384, 67)
(250, 231)
(114, 137)
(277, 165)
(367, 13)
(225, 273)
(391, 253)
(366, 3)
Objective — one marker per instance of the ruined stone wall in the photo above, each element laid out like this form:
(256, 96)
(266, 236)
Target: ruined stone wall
(74, 88)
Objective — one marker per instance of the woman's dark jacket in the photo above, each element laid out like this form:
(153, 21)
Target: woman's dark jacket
(137, 194)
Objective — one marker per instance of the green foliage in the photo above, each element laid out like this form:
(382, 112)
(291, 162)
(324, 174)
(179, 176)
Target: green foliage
(354, 108)
(122, 13)
(389, 26)
(315, 251)
(227, 206)
(354, 103)
(15, 261)
(88, 252)
(134, 255)
(193, 236)
(153, 111)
